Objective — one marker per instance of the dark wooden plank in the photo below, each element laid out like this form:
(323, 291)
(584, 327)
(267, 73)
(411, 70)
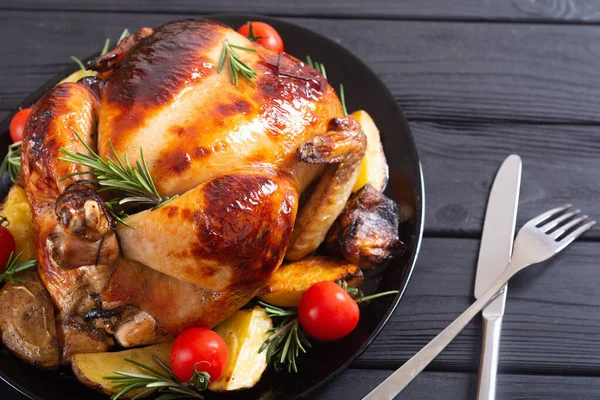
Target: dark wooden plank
(356, 383)
(550, 327)
(514, 10)
(437, 71)
(560, 165)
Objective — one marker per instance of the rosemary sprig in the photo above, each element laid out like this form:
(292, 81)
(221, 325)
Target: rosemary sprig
(236, 66)
(251, 35)
(321, 69)
(12, 161)
(131, 185)
(157, 382)
(286, 340)
(13, 267)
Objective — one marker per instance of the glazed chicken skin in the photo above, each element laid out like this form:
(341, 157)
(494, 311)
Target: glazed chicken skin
(237, 157)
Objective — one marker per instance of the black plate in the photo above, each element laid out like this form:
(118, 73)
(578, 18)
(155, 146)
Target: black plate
(363, 90)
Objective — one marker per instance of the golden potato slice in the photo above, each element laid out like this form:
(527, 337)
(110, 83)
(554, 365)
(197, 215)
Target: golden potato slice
(91, 368)
(288, 284)
(374, 168)
(77, 75)
(244, 332)
(18, 212)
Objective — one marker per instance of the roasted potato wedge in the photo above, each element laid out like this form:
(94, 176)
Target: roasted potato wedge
(27, 325)
(244, 332)
(374, 167)
(91, 368)
(18, 212)
(288, 284)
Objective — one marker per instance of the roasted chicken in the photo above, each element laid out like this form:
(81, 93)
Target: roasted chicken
(238, 157)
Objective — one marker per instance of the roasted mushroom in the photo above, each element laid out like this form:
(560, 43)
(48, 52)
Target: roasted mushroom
(27, 321)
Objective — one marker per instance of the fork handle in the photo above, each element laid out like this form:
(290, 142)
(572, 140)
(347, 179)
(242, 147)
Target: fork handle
(396, 382)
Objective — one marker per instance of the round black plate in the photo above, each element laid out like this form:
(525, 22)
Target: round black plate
(363, 90)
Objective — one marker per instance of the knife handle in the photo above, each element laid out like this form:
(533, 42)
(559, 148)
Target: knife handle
(488, 367)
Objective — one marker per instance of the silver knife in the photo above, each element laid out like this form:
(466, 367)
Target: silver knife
(494, 254)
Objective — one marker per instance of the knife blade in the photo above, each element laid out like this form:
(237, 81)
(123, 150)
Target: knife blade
(494, 254)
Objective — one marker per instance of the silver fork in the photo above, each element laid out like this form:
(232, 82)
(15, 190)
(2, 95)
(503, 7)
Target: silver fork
(538, 240)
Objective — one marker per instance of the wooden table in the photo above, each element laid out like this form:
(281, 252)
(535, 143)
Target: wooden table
(478, 80)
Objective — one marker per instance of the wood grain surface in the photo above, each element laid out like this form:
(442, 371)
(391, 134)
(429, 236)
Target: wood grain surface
(585, 11)
(355, 383)
(551, 322)
(446, 71)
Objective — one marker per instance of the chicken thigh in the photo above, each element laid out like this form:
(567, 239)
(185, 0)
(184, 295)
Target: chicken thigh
(237, 156)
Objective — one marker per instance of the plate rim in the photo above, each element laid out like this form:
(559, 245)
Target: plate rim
(418, 187)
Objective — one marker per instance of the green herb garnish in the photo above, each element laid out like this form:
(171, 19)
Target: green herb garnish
(286, 340)
(13, 267)
(321, 69)
(165, 383)
(80, 64)
(131, 185)
(236, 66)
(12, 161)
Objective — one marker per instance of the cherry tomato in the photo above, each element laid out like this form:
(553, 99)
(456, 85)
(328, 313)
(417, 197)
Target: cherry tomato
(266, 35)
(198, 346)
(17, 124)
(327, 312)
(7, 244)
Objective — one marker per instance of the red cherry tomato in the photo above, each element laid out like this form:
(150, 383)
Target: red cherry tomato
(17, 124)
(327, 312)
(7, 245)
(198, 346)
(266, 34)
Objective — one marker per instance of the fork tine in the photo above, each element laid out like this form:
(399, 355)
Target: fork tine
(555, 222)
(542, 217)
(560, 231)
(574, 235)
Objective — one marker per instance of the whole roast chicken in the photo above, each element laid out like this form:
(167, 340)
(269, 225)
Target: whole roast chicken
(237, 156)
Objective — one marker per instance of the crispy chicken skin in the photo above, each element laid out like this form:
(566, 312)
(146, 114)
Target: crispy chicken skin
(71, 226)
(366, 232)
(238, 157)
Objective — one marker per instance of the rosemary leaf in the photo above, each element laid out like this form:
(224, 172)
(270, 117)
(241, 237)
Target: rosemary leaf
(130, 185)
(124, 34)
(321, 69)
(12, 161)
(236, 66)
(165, 383)
(287, 339)
(106, 46)
(80, 64)
(343, 99)
(13, 267)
